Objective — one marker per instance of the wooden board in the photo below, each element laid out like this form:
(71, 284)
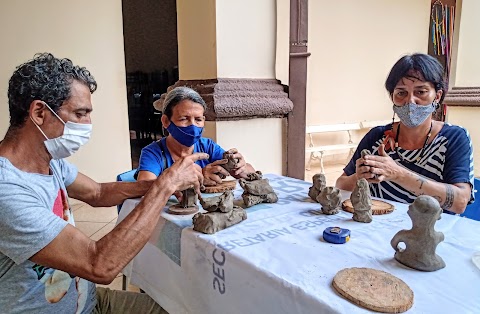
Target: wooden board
(177, 209)
(221, 187)
(374, 289)
(378, 207)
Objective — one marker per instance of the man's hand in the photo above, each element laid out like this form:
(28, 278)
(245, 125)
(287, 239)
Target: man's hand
(211, 172)
(184, 173)
(241, 169)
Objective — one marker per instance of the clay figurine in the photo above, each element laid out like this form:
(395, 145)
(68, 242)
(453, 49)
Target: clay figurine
(230, 165)
(330, 199)
(257, 191)
(222, 203)
(252, 176)
(319, 183)
(362, 201)
(221, 214)
(188, 204)
(215, 221)
(421, 241)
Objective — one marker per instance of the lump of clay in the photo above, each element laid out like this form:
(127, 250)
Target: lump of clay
(252, 176)
(251, 200)
(362, 201)
(365, 152)
(230, 165)
(222, 203)
(257, 187)
(215, 221)
(330, 199)
(421, 241)
(221, 214)
(319, 183)
(257, 191)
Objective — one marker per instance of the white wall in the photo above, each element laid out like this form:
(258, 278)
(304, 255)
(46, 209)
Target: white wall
(88, 32)
(354, 45)
(259, 140)
(246, 32)
(467, 72)
(468, 61)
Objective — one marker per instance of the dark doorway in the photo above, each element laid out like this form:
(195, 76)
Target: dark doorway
(151, 62)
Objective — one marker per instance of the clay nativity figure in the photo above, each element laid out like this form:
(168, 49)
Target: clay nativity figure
(421, 241)
(362, 201)
(257, 190)
(319, 183)
(330, 199)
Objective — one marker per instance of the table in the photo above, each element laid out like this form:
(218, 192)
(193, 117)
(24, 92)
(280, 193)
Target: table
(276, 261)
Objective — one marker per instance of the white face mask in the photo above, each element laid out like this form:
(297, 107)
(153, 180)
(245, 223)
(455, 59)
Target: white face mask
(74, 136)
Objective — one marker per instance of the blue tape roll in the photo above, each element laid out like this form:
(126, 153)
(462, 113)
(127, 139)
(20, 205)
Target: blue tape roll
(336, 235)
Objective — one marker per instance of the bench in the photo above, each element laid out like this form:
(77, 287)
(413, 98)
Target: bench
(313, 149)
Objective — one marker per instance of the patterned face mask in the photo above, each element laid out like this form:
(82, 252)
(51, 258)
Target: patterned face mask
(412, 115)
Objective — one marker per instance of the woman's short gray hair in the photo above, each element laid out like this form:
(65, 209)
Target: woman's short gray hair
(178, 94)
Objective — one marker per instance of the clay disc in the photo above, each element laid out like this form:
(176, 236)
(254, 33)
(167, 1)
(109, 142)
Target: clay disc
(378, 207)
(176, 209)
(221, 187)
(374, 289)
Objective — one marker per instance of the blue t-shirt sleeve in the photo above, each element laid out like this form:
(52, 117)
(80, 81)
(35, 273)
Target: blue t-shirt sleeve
(367, 142)
(151, 159)
(459, 158)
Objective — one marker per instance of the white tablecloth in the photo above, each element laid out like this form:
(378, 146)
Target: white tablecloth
(276, 261)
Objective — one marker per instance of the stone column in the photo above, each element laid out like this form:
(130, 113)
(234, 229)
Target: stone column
(227, 53)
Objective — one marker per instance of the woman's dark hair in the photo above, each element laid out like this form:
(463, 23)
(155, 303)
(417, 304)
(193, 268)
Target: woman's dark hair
(178, 94)
(43, 78)
(427, 66)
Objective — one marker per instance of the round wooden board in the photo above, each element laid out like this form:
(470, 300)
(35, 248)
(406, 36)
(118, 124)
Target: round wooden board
(374, 289)
(221, 187)
(176, 209)
(378, 207)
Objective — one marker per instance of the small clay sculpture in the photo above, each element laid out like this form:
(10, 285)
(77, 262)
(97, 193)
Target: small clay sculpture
(319, 183)
(257, 191)
(221, 214)
(330, 199)
(230, 165)
(252, 176)
(215, 221)
(222, 203)
(188, 204)
(250, 199)
(362, 201)
(257, 187)
(421, 241)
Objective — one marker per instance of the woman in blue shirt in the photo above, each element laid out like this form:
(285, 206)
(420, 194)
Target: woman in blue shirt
(184, 118)
(418, 155)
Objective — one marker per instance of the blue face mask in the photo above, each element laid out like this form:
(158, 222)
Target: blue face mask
(185, 135)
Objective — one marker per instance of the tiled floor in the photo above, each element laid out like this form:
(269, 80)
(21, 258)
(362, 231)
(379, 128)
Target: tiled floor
(96, 222)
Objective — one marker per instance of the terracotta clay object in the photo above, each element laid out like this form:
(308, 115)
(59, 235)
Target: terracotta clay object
(319, 183)
(378, 207)
(374, 289)
(212, 222)
(187, 206)
(221, 187)
(222, 203)
(421, 241)
(362, 201)
(330, 199)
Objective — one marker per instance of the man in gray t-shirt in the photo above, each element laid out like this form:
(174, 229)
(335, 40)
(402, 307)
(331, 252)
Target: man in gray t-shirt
(46, 264)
